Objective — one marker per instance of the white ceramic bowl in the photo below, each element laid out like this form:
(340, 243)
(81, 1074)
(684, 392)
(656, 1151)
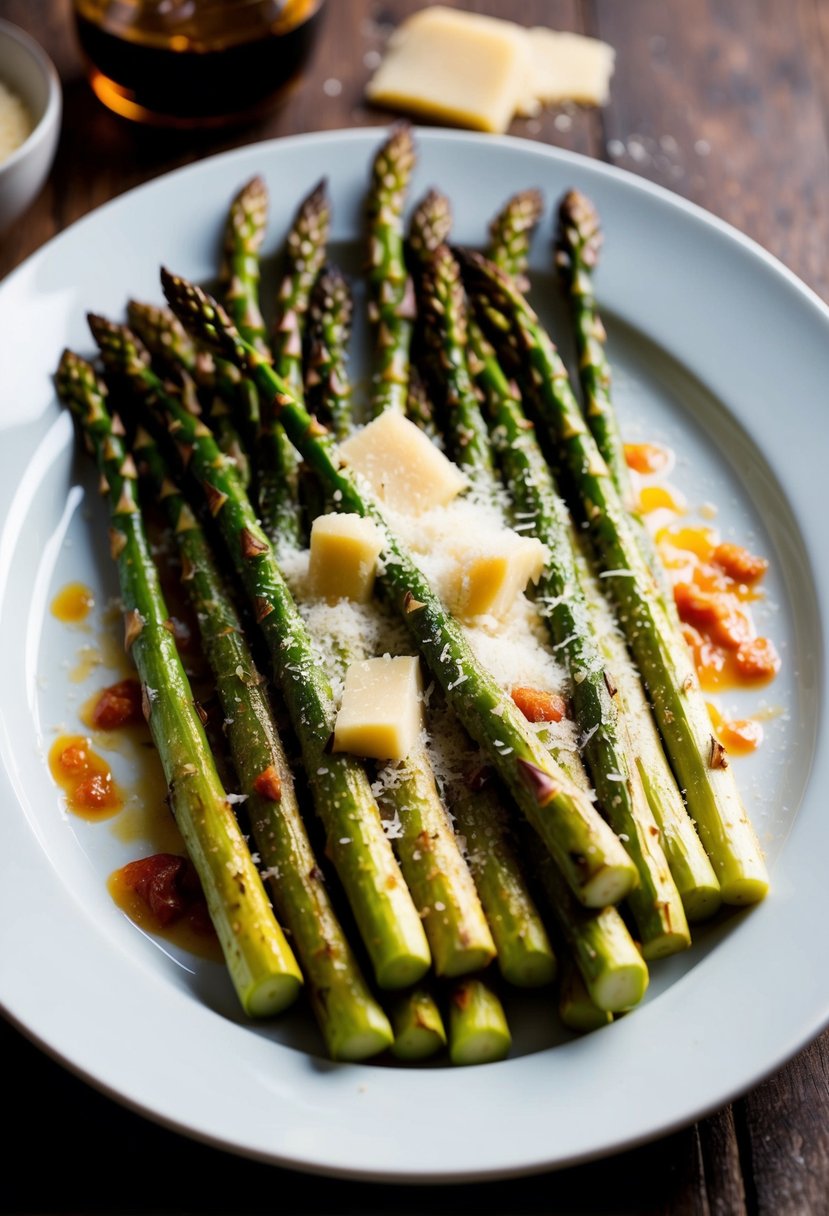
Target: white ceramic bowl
(28, 71)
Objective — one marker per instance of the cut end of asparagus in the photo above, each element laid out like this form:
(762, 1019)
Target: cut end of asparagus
(666, 943)
(272, 995)
(744, 890)
(701, 902)
(350, 1044)
(419, 1032)
(482, 1047)
(621, 987)
(610, 884)
(577, 1010)
(741, 868)
(464, 960)
(478, 1029)
(402, 970)
(534, 966)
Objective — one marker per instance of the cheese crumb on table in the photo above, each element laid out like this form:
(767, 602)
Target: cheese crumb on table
(473, 71)
(381, 713)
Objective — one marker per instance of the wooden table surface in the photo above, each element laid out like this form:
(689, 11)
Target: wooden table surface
(725, 102)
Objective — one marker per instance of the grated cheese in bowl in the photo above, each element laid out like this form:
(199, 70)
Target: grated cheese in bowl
(15, 122)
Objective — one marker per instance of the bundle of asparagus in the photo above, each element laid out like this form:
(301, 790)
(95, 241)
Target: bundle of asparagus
(494, 855)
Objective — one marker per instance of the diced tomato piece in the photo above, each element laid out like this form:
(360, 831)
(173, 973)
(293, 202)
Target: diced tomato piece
(168, 885)
(95, 792)
(732, 628)
(758, 659)
(118, 705)
(695, 607)
(268, 784)
(646, 457)
(742, 734)
(74, 758)
(716, 615)
(539, 706)
(739, 563)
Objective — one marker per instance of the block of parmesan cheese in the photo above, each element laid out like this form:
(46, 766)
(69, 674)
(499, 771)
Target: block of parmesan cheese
(381, 712)
(457, 67)
(343, 557)
(490, 572)
(402, 465)
(569, 67)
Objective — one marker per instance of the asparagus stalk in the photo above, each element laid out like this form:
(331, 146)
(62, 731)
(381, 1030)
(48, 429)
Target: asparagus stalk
(478, 1029)
(614, 971)
(305, 249)
(327, 385)
(352, 1022)
(511, 233)
(688, 862)
(699, 761)
(419, 1030)
(690, 867)
(427, 849)
(277, 462)
(525, 955)
(577, 244)
(656, 902)
(177, 355)
(419, 406)
(434, 868)
(589, 853)
(576, 1008)
(261, 964)
(240, 272)
(239, 277)
(443, 328)
(523, 949)
(443, 307)
(429, 226)
(355, 840)
(391, 292)
(607, 744)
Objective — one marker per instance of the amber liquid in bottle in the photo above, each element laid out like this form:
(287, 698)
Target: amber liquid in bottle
(193, 63)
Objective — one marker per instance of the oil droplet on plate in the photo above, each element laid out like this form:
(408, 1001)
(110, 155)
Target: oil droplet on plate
(73, 603)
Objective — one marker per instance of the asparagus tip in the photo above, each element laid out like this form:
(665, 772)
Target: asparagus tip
(578, 228)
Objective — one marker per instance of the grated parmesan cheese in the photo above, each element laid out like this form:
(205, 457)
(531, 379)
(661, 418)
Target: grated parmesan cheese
(15, 122)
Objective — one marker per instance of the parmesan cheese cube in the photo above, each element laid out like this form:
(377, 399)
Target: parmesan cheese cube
(458, 67)
(381, 712)
(402, 465)
(343, 558)
(569, 67)
(490, 574)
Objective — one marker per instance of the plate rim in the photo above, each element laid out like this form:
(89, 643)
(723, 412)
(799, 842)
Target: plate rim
(370, 135)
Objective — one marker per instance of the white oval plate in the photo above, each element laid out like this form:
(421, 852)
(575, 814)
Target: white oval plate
(719, 352)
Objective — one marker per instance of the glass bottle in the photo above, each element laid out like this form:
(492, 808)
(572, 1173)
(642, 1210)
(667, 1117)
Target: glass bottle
(193, 63)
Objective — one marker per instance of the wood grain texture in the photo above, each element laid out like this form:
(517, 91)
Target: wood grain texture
(725, 102)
